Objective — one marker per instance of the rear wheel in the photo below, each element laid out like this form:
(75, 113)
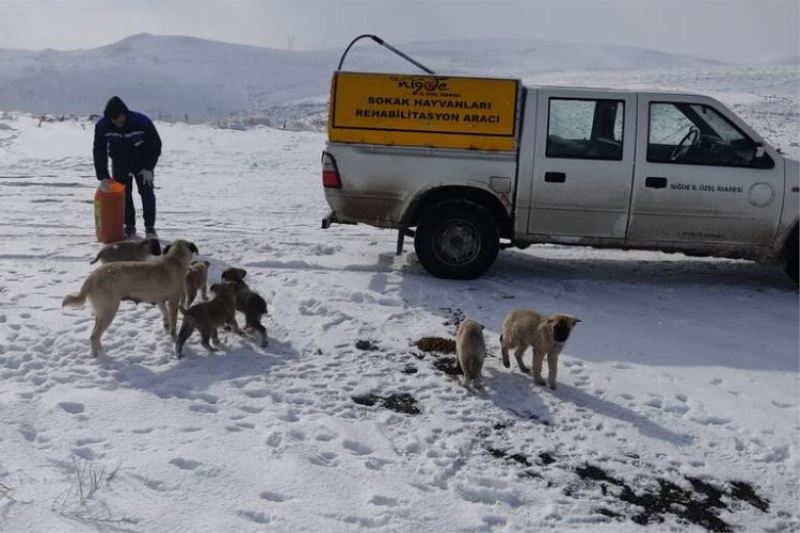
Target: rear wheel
(457, 240)
(792, 264)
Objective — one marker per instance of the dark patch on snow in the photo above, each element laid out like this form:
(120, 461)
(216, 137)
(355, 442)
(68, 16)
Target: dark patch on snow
(609, 513)
(436, 344)
(399, 402)
(546, 458)
(409, 369)
(745, 492)
(494, 452)
(448, 366)
(521, 459)
(699, 505)
(516, 457)
(366, 399)
(455, 318)
(366, 345)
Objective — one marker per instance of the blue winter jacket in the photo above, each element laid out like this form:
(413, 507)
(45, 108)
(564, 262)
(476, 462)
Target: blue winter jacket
(134, 147)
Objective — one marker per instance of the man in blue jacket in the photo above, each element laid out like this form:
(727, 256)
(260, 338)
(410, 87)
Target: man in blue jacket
(132, 142)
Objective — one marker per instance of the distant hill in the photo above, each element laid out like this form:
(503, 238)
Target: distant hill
(184, 77)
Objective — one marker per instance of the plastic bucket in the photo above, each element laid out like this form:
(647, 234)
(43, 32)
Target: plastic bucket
(109, 213)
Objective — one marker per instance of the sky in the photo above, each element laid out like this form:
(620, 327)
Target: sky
(744, 31)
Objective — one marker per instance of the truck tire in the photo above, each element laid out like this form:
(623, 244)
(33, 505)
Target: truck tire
(456, 240)
(792, 264)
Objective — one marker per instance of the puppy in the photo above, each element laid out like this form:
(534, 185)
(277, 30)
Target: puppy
(470, 352)
(208, 316)
(547, 335)
(248, 302)
(128, 251)
(159, 282)
(196, 280)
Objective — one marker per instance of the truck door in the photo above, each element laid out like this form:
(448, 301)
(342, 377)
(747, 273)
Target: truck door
(583, 165)
(701, 177)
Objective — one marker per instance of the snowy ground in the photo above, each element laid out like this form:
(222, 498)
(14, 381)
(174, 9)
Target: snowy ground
(682, 368)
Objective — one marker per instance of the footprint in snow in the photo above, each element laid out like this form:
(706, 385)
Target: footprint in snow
(357, 448)
(72, 408)
(184, 464)
(273, 496)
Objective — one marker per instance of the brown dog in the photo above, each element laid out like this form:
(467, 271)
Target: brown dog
(206, 317)
(248, 302)
(547, 335)
(196, 280)
(128, 251)
(159, 282)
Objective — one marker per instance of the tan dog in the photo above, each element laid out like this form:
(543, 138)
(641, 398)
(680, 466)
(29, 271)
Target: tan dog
(546, 335)
(470, 352)
(128, 251)
(159, 282)
(196, 280)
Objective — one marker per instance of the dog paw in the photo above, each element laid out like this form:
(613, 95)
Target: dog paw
(539, 381)
(552, 386)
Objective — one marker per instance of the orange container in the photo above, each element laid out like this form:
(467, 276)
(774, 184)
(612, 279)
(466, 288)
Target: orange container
(109, 213)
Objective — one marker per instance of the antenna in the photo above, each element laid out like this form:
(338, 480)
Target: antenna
(388, 47)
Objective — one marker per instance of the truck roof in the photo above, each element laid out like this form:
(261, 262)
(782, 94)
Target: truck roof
(607, 90)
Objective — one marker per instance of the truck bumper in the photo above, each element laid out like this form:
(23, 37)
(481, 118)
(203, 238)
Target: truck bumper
(331, 218)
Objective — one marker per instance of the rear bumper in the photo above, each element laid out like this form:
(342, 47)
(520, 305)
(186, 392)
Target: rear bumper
(381, 211)
(330, 218)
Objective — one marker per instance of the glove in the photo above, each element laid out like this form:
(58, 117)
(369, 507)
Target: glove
(105, 185)
(147, 176)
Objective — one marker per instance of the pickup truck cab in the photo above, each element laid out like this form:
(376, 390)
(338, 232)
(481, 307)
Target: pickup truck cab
(463, 163)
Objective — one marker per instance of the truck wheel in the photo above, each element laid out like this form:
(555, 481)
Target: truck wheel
(456, 240)
(792, 264)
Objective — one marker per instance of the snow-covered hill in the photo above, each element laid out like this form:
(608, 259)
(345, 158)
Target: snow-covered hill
(185, 77)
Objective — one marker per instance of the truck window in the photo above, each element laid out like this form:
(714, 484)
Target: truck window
(585, 129)
(696, 134)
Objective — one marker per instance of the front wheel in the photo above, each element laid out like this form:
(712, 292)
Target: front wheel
(457, 240)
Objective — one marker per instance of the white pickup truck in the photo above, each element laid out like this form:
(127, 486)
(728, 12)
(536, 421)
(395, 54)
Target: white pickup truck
(468, 166)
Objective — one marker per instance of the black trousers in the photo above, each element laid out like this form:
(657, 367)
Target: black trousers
(148, 200)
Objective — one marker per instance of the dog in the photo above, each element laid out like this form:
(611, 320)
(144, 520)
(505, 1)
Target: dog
(159, 282)
(128, 251)
(470, 352)
(196, 280)
(547, 335)
(206, 317)
(248, 302)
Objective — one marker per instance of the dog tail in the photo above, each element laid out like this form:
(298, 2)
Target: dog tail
(96, 259)
(76, 300)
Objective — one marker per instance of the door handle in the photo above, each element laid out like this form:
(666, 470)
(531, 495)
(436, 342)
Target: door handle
(656, 183)
(555, 177)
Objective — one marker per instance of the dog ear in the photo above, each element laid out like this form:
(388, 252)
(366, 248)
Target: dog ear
(155, 247)
(192, 247)
(207, 263)
(226, 274)
(242, 272)
(165, 251)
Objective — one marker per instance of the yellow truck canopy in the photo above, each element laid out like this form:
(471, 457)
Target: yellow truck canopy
(423, 110)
